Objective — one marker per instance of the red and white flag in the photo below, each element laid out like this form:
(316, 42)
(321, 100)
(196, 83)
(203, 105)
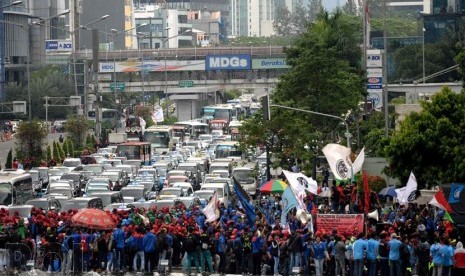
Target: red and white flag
(439, 200)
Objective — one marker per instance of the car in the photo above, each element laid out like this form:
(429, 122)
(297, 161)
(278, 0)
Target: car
(109, 197)
(129, 169)
(78, 179)
(222, 189)
(54, 174)
(185, 186)
(204, 194)
(72, 163)
(96, 169)
(176, 178)
(117, 177)
(190, 201)
(111, 163)
(136, 191)
(247, 179)
(45, 203)
(170, 192)
(81, 203)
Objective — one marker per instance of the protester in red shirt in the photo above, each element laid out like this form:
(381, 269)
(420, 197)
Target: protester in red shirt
(459, 259)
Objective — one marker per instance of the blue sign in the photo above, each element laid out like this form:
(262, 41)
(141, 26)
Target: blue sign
(228, 62)
(51, 45)
(58, 46)
(375, 86)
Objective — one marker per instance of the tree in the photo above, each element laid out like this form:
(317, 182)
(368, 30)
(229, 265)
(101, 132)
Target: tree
(300, 18)
(146, 113)
(9, 160)
(30, 141)
(77, 128)
(282, 23)
(350, 7)
(430, 143)
(56, 152)
(325, 76)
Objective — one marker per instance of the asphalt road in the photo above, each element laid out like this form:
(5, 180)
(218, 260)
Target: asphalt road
(6, 146)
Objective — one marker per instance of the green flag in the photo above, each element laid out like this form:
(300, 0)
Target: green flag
(448, 217)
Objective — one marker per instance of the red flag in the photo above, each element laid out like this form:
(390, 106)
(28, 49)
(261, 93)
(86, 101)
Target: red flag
(366, 187)
(439, 200)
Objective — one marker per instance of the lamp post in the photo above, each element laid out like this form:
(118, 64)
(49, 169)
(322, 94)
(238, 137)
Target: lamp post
(166, 72)
(2, 50)
(423, 56)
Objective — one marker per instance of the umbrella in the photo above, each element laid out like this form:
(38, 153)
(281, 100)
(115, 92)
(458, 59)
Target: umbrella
(94, 219)
(273, 186)
(388, 191)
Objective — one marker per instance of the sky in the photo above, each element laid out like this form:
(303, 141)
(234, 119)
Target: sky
(332, 4)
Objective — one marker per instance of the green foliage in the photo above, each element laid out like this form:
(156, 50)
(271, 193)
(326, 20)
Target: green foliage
(30, 141)
(70, 147)
(170, 120)
(231, 94)
(376, 183)
(325, 76)
(47, 81)
(430, 143)
(56, 153)
(49, 153)
(77, 128)
(9, 160)
(64, 146)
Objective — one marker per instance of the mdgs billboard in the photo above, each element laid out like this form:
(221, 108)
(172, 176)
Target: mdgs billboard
(269, 63)
(228, 62)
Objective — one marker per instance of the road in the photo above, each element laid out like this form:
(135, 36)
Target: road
(6, 146)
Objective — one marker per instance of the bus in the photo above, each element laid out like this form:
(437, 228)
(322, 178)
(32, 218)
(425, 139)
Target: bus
(160, 138)
(206, 113)
(15, 187)
(106, 115)
(133, 128)
(179, 134)
(234, 130)
(223, 112)
(135, 151)
(228, 149)
(194, 128)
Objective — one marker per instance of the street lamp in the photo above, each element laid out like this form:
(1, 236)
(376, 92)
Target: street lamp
(166, 72)
(423, 57)
(2, 50)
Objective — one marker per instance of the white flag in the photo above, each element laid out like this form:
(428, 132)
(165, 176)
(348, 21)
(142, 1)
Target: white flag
(297, 188)
(301, 183)
(142, 122)
(211, 210)
(358, 163)
(407, 194)
(157, 115)
(339, 160)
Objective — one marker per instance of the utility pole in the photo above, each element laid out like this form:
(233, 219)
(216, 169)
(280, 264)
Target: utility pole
(385, 75)
(95, 63)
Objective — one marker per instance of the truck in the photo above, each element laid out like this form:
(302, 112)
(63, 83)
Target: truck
(117, 138)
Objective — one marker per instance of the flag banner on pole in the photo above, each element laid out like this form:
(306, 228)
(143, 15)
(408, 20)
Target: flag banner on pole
(358, 163)
(439, 200)
(338, 158)
(244, 199)
(157, 115)
(142, 122)
(288, 202)
(211, 211)
(408, 193)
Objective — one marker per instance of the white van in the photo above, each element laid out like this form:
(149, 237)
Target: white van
(224, 194)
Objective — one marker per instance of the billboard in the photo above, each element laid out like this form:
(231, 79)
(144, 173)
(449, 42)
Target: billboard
(269, 63)
(151, 66)
(374, 59)
(228, 62)
(345, 224)
(58, 46)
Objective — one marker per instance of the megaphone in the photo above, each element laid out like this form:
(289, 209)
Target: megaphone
(374, 215)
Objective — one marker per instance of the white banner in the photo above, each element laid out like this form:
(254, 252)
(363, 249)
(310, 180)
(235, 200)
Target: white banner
(408, 193)
(339, 160)
(358, 163)
(211, 210)
(158, 116)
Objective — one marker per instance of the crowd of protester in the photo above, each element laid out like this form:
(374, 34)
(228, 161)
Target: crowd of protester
(406, 240)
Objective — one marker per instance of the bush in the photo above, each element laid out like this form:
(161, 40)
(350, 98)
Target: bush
(376, 183)
(9, 160)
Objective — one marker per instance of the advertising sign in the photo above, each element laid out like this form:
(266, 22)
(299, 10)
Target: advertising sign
(376, 98)
(227, 62)
(58, 46)
(151, 66)
(374, 72)
(374, 58)
(346, 224)
(269, 63)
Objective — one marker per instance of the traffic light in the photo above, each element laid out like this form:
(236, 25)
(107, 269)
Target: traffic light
(266, 107)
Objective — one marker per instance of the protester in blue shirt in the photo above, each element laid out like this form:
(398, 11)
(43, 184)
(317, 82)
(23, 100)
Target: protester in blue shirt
(447, 253)
(319, 255)
(221, 252)
(359, 247)
(436, 256)
(372, 255)
(395, 247)
(149, 251)
(118, 239)
(257, 247)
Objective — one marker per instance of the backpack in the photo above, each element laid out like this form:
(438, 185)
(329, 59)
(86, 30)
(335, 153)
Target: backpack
(247, 245)
(162, 243)
(190, 244)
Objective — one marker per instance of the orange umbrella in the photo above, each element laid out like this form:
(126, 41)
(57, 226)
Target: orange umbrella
(94, 219)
